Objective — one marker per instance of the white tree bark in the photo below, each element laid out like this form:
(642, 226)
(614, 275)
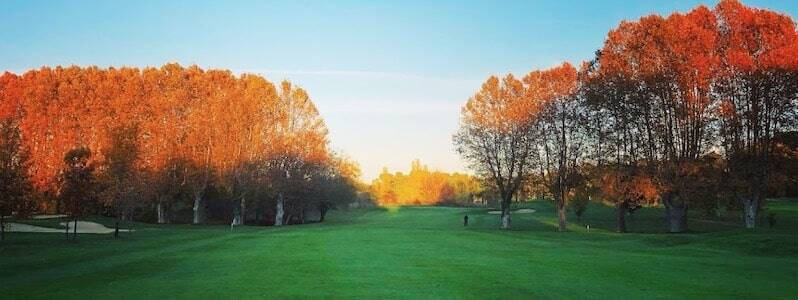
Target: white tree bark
(243, 211)
(506, 217)
(278, 218)
(161, 213)
(197, 209)
(750, 208)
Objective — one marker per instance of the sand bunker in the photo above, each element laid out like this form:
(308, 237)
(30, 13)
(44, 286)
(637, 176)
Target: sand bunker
(41, 217)
(519, 211)
(83, 227)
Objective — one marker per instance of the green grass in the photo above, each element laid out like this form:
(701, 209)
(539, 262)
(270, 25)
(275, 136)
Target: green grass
(413, 252)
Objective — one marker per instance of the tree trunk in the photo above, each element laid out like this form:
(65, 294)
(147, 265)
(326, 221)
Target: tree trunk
(676, 213)
(197, 209)
(75, 229)
(750, 207)
(561, 214)
(159, 210)
(506, 213)
(506, 218)
(2, 227)
(236, 215)
(322, 212)
(620, 210)
(677, 222)
(677, 218)
(278, 216)
(243, 211)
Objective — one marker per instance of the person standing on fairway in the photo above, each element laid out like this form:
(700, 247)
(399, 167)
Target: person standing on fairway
(465, 220)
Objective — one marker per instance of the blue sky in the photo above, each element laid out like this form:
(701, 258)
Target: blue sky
(388, 76)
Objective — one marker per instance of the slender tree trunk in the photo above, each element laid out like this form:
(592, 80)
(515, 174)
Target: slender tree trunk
(620, 210)
(750, 207)
(236, 215)
(243, 211)
(506, 213)
(75, 229)
(159, 209)
(561, 213)
(2, 227)
(322, 211)
(278, 216)
(197, 209)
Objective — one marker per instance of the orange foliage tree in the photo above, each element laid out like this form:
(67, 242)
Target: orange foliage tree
(664, 82)
(195, 129)
(424, 187)
(561, 124)
(497, 137)
(758, 93)
(662, 98)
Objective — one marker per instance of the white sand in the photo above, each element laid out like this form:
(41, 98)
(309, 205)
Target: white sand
(519, 211)
(18, 227)
(40, 217)
(83, 227)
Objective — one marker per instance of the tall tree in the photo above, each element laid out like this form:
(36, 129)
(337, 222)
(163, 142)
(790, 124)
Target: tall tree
(496, 137)
(758, 86)
(561, 122)
(15, 186)
(77, 190)
(662, 69)
(120, 176)
(621, 128)
(298, 145)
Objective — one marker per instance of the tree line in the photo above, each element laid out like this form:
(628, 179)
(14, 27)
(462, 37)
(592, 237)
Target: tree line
(159, 142)
(692, 110)
(421, 186)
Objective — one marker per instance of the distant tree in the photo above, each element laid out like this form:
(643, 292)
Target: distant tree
(78, 184)
(383, 188)
(422, 186)
(584, 191)
(496, 137)
(15, 186)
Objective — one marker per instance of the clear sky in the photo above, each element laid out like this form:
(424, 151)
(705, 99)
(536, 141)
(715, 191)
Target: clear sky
(388, 76)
